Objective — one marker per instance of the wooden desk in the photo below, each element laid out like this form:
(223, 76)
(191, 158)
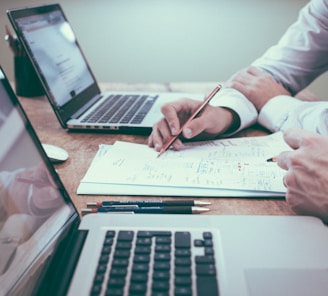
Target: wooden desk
(82, 147)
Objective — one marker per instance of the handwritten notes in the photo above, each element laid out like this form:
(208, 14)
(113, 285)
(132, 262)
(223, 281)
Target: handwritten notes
(227, 167)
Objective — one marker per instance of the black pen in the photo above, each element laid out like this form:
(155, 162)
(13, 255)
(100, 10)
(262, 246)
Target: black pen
(148, 203)
(147, 210)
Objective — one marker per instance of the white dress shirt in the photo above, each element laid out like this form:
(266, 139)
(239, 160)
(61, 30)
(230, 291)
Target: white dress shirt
(300, 56)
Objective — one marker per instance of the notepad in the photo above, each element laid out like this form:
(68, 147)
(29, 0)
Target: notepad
(225, 167)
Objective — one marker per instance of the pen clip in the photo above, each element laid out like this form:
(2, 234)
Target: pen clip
(121, 206)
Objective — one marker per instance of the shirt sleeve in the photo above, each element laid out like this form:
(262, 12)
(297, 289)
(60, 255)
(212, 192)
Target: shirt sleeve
(312, 116)
(301, 54)
(232, 99)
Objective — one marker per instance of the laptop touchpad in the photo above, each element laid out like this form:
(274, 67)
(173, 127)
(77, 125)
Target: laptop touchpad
(289, 282)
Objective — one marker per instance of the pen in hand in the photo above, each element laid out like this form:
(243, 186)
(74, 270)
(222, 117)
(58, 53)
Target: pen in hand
(272, 159)
(193, 115)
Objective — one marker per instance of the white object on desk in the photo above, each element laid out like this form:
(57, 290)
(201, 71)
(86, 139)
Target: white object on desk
(55, 153)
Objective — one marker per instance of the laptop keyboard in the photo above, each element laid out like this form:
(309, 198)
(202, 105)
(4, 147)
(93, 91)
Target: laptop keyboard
(122, 108)
(156, 263)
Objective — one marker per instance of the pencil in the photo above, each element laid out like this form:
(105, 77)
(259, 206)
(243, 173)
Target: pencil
(148, 210)
(193, 115)
(272, 159)
(148, 203)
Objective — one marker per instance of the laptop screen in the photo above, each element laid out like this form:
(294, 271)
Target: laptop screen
(34, 207)
(51, 40)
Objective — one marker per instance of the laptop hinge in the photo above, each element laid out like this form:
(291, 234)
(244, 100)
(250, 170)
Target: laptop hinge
(59, 272)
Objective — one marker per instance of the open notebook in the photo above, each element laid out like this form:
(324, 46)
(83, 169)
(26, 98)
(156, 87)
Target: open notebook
(46, 249)
(219, 168)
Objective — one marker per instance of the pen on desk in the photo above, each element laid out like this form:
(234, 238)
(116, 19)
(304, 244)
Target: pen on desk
(193, 115)
(147, 210)
(148, 203)
(272, 159)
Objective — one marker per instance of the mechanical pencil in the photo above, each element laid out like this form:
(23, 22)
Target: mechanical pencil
(148, 203)
(147, 210)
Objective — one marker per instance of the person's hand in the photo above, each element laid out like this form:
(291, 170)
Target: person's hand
(33, 190)
(211, 122)
(307, 175)
(256, 86)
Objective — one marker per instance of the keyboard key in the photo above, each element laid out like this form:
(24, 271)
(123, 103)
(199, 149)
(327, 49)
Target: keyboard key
(114, 292)
(118, 272)
(207, 235)
(163, 240)
(122, 254)
(182, 253)
(204, 260)
(183, 280)
(141, 258)
(182, 239)
(116, 282)
(144, 242)
(138, 288)
(159, 265)
(182, 271)
(125, 236)
(139, 277)
(120, 262)
(160, 286)
(182, 291)
(207, 285)
(161, 275)
(162, 257)
(142, 250)
(140, 268)
(205, 269)
(182, 261)
(163, 248)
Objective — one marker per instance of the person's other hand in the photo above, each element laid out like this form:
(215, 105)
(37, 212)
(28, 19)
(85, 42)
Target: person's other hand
(307, 175)
(256, 86)
(33, 190)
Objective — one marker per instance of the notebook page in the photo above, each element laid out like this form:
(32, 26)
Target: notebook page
(227, 164)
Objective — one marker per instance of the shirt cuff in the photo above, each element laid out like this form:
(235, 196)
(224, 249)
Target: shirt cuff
(283, 112)
(236, 101)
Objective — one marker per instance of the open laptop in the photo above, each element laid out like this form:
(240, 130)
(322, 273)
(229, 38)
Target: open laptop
(69, 83)
(46, 249)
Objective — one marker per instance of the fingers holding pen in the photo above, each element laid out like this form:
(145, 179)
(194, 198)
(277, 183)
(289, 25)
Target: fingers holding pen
(211, 122)
(284, 159)
(175, 114)
(160, 135)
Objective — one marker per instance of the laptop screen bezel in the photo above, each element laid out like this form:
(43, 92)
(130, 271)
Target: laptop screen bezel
(65, 112)
(73, 220)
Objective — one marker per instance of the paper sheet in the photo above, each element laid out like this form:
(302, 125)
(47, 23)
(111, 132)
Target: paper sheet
(227, 167)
